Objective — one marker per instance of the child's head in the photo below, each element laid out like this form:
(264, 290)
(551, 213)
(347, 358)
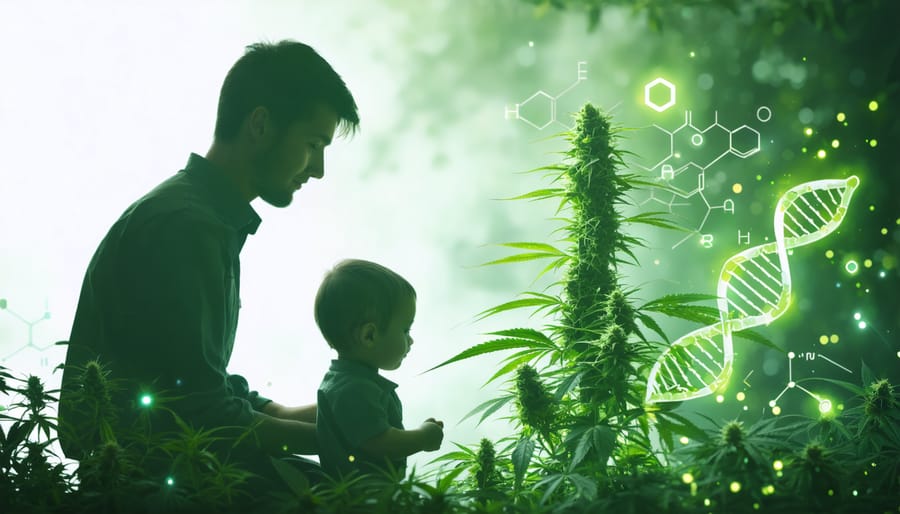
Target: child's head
(365, 311)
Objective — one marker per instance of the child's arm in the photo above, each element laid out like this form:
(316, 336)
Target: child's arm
(395, 443)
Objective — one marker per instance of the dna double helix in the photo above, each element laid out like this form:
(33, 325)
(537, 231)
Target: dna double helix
(754, 289)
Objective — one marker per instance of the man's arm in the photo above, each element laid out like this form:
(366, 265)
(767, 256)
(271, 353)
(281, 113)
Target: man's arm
(304, 413)
(285, 436)
(395, 443)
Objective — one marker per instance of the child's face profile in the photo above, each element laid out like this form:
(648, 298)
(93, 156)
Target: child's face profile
(394, 342)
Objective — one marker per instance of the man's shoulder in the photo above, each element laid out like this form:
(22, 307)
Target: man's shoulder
(176, 203)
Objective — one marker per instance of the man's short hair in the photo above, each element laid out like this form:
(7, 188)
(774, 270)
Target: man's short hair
(288, 78)
(356, 292)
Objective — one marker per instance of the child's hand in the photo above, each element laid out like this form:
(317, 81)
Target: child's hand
(432, 434)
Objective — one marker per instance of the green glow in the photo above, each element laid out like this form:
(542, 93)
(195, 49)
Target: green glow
(146, 400)
(687, 478)
(820, 154)
(735, 487)
(835, 143)
(841, 116)
(170, 481)
(808, 131)
(873, 105)
(778, 465)
(873, 143)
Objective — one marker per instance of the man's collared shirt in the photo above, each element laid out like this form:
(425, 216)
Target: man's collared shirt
(355, 404)
(159, 304)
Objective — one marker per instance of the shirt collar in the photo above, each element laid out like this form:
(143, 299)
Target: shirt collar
(361, 369)
(225, 197)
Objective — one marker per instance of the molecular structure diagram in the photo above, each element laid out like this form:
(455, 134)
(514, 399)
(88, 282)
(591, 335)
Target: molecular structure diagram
(824, 403)
(548, 101)
(691, 147)
(4, 306)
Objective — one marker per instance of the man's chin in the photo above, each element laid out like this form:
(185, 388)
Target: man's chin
(277, 200)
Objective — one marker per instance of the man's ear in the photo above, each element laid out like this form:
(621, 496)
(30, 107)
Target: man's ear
(259, 123)
(366, 334)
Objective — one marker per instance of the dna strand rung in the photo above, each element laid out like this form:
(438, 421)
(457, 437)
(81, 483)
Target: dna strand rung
(754, 288)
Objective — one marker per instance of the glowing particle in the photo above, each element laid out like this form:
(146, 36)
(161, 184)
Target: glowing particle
(531, 43)
(720, 398)
(852, 267)
(351, 458)
(820, 154)
(735, 487)
(707, 502)
(284, 447)
(693, 54)
(823, 339)
(829, 254)
(882, 274)
(841, 116)
(768, 490)
(835, 143)
(871, 208)
(656, 262)
(825, 406)
(170, 481)
(687, 478)
(684, 440)
(857, 316)
(867, 263)
(759, 177)
(146, 400)
(776, 410)
(835, 338)
(791, 355)
(808, 131)
(873, 106)
(737, 188)
(862, 325)
(898, 355)
(778, 465)
(802, 150)
(741, 396)
(855, 492)
(873, 143)
(831, 492)
(884, 231)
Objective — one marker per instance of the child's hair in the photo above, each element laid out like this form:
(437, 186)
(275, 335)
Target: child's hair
(355, 292)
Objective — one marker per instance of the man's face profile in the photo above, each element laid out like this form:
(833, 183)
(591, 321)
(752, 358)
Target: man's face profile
(291, 156)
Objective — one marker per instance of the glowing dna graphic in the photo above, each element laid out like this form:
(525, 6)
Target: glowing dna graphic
(754, 289)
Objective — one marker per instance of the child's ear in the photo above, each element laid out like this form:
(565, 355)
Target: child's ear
(366, 334)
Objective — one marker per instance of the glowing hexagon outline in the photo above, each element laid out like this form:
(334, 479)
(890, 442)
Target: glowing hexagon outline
(743, 155)
(655, 82)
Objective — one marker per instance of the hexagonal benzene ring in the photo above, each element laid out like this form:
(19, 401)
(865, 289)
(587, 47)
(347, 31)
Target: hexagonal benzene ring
(745, 139)
(550, 103)
(650, 103)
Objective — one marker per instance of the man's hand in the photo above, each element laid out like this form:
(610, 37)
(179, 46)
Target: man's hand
(432, 434)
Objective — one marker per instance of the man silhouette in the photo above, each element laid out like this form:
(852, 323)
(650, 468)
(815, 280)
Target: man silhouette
(160, 298)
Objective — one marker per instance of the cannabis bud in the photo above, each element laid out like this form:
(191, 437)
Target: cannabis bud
(619, 311)
(535, 402)
(484, 477)
(34, 392)
(733, 433)
(879, 399)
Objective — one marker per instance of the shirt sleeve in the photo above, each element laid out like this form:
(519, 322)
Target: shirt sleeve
(180, 281)
(241, 389)
(359, 410)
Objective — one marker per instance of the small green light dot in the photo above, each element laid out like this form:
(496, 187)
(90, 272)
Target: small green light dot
(735, 487)
(841, 116)
(804, 58)
(884, 231)
(829, 254)
(687, 478)
(873, 105)
(835, 143)
(693, 54)
(873, 143)
(820, 154)
(778, 465)
(803, 150)
(170, 481)
(759, 177)
(146, 400)
(808, 131)
(871, 208)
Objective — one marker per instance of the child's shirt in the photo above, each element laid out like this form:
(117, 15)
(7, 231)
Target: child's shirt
(355, 404)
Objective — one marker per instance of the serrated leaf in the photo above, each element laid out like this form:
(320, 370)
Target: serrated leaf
(538, 247)
(489, 347)
(538, 194)
(520, 257)
(525, 333)
(521, 458)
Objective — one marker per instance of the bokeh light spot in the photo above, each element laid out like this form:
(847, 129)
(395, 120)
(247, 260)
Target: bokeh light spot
(835, 143)
(841, 116)
(778, 465)
(720, 398)
(820, 154)
(852, 267)
(741, 396)
(687, 478)
(873, 143)
(737, 188)
(829, 254)
(808, 131)
(735, 487)
(867, 263)
(873, 105)
(835, 338)
(823, 339)
(825, 406)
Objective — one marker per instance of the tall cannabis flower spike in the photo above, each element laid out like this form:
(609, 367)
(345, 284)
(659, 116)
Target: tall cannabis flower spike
(536, 407)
